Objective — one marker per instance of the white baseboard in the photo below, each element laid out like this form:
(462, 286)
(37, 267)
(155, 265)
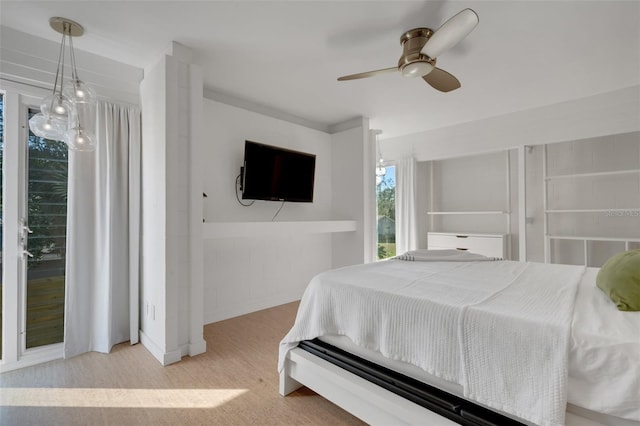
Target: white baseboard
(247, 307)
(197, 348)
(165, 358)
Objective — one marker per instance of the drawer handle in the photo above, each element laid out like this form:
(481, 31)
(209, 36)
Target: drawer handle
(458, 248)
(462, 236)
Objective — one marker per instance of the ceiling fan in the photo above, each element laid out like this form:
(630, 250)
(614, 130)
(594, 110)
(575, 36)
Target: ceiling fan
(421, 47)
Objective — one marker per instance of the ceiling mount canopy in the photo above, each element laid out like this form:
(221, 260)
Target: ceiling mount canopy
(64, 114)
(421, 47)
(66, 26)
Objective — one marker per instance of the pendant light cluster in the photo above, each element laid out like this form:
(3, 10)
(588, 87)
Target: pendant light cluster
(64, 114)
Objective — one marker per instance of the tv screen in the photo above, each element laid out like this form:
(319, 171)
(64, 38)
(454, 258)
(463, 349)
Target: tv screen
(277, 174)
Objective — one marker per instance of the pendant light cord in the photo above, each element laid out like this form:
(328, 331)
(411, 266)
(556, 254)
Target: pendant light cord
(60, 65)
(72, 57)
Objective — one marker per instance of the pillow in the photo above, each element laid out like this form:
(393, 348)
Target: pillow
(619, 278)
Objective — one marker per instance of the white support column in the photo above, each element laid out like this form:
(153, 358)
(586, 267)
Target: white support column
(586, 252)
(432, 207)
(508, 201)
(547, 242)
(197, 344)
(522, 203)
(172, 264)
(369, 222)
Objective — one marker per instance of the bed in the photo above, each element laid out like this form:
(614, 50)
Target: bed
(470, 327)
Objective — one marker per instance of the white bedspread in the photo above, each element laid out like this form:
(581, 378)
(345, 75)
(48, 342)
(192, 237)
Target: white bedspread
(604, 356)
(499, 329)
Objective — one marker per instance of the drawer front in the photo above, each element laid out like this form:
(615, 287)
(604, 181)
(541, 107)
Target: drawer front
(492, 246)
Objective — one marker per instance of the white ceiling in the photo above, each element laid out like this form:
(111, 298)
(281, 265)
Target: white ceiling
(287, 55)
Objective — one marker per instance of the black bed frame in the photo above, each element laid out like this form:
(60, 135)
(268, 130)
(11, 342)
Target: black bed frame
(450, 406)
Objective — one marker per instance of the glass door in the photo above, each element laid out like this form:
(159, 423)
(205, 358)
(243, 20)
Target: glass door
(34, 216)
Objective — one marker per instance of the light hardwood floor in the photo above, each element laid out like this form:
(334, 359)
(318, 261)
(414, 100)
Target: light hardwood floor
(234, 383)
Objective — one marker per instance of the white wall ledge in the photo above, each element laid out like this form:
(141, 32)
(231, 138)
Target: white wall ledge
(213, 230)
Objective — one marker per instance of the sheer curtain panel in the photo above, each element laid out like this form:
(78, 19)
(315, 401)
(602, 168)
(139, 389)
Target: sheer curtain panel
(406, 211)
(101, 307)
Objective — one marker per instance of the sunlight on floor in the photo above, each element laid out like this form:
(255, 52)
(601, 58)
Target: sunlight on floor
(121, 398)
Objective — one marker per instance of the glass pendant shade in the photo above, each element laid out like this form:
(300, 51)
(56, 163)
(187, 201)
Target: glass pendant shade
(80, 93)
(48, 127)
(56, 106)
(79, 139)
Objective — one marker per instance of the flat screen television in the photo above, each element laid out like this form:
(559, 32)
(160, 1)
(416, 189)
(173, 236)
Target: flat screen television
(277, 174)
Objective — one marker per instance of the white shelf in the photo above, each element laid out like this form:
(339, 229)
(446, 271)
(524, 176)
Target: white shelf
(467, 234)
(212, 230)
(587, 238)
(469, 212)
(591, 210)
(594, 174)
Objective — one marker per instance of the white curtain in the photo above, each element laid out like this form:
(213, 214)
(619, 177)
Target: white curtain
(101, 305)
(406, 211)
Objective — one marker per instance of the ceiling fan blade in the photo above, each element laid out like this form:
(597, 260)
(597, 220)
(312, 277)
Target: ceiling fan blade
(441, 80)
(450, 33)
(367, 74)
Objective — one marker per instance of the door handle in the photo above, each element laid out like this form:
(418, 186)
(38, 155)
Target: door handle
(25, 231)
(26, 253)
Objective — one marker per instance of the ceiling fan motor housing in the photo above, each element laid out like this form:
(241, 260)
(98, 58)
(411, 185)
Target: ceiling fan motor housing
(412, 63)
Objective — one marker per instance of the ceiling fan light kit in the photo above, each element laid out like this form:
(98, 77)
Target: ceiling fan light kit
(421, 47)
(61, 115)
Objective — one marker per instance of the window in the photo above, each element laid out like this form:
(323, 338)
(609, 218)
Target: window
(47, 220)
(386, 205)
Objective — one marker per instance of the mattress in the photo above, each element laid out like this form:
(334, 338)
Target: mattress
(604, 359)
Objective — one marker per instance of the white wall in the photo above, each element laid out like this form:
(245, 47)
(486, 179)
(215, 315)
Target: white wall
(244, 274)
(226, 129)
(599, 115)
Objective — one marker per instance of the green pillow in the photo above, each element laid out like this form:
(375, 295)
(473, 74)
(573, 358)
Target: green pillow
(619, 278)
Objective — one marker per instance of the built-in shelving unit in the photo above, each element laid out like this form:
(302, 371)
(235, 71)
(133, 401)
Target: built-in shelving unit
(504, 213)
(212, 230)
(572, 180)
